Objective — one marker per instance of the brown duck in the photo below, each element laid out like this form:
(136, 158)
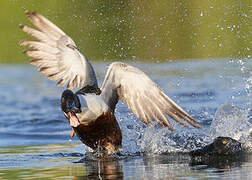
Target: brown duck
(90, 110)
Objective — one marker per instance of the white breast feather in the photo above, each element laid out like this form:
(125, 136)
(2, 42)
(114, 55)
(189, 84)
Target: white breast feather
(96, 104)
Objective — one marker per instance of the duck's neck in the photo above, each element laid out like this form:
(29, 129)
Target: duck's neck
(89, 89)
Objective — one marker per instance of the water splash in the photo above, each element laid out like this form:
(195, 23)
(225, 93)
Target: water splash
(158, 140)
(229, 121)
(153, 139)
(232, 122)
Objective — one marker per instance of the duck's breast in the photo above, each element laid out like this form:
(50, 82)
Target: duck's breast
(93, 106)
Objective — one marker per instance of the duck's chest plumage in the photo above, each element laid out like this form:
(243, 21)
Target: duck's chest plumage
(98, 126)
(103, 132)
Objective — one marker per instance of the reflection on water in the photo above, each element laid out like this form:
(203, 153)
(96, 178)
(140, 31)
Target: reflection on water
(35, 136)
(68, 165)
(103, 169)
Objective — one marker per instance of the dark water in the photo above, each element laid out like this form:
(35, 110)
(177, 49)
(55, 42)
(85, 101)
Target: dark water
(35, 137)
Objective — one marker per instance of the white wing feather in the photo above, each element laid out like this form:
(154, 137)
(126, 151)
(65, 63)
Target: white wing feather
(56, 55)
(146, 100)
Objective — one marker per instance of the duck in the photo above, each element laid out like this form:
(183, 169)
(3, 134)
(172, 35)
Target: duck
(221, 146)
(90, 109)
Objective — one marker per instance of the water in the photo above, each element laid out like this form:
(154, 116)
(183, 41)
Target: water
(35, 137)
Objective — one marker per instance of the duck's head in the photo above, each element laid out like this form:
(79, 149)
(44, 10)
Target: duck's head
(70, 105)
(220, 146)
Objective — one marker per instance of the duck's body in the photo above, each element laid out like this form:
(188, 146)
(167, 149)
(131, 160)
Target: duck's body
(90, 110)
(102, 134)
(98, 127)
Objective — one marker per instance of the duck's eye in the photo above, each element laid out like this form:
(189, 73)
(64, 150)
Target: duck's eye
(62, 100)
(224, 141)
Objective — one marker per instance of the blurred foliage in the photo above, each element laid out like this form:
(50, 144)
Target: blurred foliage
(137, 30)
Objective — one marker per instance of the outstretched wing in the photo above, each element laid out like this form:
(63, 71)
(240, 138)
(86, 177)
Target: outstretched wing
(147, 101)
(56, 55)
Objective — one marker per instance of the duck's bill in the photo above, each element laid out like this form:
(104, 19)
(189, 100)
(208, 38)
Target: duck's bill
(72, 133)
(73, 120)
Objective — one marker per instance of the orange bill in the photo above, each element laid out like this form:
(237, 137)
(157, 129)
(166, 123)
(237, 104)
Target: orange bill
(72, 133)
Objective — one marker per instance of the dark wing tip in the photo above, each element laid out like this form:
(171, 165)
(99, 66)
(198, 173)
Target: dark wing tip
(193, 122)
(170, 128)
(21, 43)
(21, 26)
(32, 61)
(30, 14)
(60, 82)
(197, 125)
(27, 12)
(43, 69)
(25, 51)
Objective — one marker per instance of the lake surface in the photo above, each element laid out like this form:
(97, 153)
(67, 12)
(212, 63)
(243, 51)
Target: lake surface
(35, 138)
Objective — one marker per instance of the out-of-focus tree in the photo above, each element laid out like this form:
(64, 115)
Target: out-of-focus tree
(137, 30)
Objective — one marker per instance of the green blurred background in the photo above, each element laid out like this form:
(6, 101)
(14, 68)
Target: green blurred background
(144, 30)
